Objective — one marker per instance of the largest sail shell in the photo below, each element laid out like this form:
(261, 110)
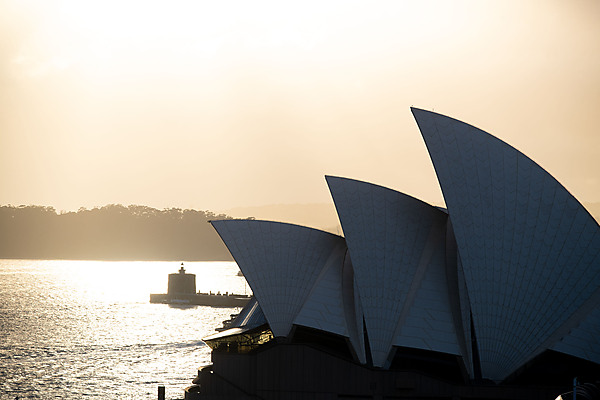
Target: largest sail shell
(530, 251)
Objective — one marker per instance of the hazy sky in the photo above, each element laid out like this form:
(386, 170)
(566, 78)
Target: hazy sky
(213, 105)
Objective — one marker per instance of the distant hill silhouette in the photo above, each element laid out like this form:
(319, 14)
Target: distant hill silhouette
(113, 232)
(116, 232)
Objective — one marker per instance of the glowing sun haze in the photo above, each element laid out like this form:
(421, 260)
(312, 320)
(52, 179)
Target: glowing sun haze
(214, 105)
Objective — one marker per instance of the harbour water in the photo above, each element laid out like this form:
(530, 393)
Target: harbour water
(86, 329)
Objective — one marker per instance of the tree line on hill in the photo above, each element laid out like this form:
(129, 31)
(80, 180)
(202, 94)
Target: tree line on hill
(112, 232)
(117, 232)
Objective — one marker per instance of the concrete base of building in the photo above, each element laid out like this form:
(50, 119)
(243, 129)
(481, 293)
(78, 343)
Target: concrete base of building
(301, 371)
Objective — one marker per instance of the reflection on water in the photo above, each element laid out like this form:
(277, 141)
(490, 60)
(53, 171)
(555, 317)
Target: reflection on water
(73, 329)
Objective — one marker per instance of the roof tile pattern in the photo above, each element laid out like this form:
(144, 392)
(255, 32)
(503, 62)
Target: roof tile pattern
(584, 340)
(460, 305)
(281, 263)
(429, 324)
(324, 308)
(391, 239)
(530, 251)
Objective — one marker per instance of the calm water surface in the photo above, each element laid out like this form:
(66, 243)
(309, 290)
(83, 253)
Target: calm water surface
(85, 329)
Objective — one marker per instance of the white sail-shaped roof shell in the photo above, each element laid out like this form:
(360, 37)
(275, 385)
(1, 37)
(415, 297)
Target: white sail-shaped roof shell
(331, 305)
(281, 263)
(428, 323)
(397, 244)
(324, 308)
(583, 341)
(530, 252)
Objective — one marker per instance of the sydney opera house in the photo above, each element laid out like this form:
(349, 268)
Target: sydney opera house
(495, 297)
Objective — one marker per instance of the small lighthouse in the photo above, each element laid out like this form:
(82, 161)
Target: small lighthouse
(181, 283)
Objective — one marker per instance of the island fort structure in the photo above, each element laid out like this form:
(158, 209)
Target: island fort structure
(181, 283)
(181, 290)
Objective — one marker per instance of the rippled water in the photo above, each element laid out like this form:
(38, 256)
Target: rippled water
(85, 329)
